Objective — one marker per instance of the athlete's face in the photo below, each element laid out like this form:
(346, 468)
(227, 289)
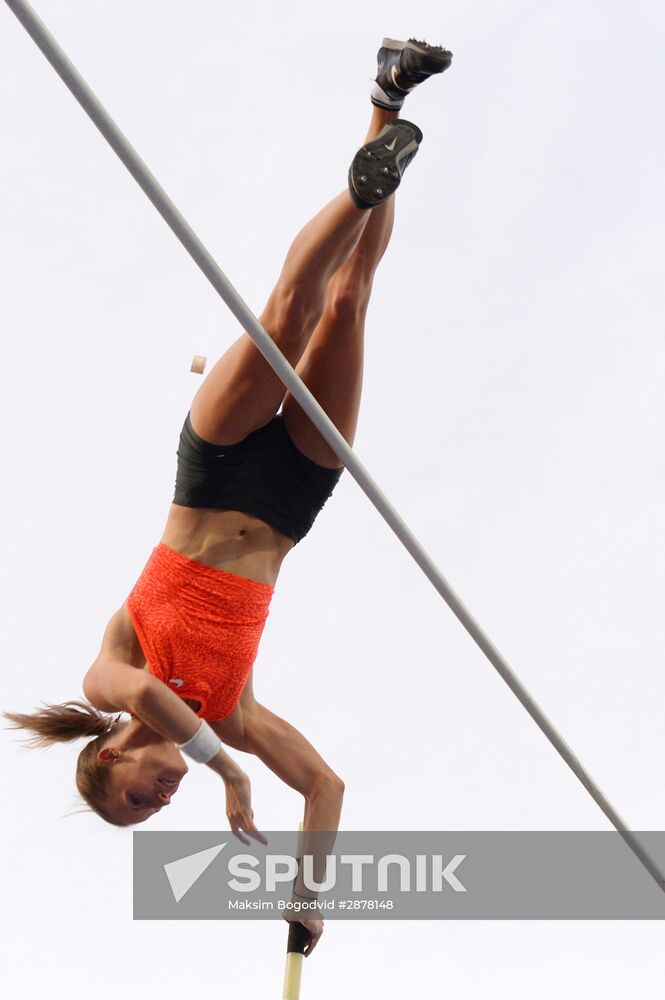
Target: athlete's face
(142, 778)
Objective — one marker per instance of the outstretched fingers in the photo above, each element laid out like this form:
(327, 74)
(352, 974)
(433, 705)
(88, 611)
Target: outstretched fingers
(243, 826)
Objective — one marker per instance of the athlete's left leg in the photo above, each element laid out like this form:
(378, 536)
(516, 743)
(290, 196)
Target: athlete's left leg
(332, 364)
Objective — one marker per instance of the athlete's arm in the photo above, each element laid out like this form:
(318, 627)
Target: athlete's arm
(117, 682)
(114, 686)
(166, 713)
(293, 759)
(252, 728)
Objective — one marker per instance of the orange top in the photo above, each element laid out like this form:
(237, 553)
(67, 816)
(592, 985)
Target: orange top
(199, 627)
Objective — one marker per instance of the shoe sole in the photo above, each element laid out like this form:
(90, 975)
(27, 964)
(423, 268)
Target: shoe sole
(374, 173)
(395, 46)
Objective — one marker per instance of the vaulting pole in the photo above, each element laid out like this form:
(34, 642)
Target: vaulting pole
(297, 942)
(137, 168)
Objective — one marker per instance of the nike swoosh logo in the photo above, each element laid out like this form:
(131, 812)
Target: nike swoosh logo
(392, 144)
(176, 681)
(400, 86)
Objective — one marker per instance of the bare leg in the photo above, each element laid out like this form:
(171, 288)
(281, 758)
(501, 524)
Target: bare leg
(332, 364)
(242, 392)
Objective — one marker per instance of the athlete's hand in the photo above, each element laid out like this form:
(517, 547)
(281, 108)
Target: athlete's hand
(239, 808)
(312, 924)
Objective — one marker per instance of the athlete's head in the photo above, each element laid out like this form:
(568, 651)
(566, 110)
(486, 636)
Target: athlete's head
(126, 773)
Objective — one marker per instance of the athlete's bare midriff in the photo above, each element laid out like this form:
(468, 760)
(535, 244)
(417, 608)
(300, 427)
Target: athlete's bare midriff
(228, 540)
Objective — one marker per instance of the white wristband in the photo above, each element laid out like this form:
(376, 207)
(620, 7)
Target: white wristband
(204, 744)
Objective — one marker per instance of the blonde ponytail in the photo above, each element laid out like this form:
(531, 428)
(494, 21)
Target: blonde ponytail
(62, 723)
(68, 721)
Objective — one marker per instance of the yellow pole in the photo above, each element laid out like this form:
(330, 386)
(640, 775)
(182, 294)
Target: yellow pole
(297, 942)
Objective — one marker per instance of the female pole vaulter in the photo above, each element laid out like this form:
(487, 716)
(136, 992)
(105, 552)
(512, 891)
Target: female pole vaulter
(252, 475)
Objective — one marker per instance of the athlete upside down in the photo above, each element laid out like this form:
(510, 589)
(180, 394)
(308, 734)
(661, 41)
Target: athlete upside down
(253, 473)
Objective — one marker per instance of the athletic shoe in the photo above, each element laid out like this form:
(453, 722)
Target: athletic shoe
(402, 66)
(378, 166)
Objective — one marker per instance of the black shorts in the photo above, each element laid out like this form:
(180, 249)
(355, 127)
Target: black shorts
(264, 475)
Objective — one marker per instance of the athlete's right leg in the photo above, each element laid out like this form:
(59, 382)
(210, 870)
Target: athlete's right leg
(242, 391)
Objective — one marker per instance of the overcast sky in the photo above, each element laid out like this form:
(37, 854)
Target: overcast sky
(512, 412)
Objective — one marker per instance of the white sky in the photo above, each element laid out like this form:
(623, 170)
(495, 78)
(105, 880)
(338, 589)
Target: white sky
(513, 413)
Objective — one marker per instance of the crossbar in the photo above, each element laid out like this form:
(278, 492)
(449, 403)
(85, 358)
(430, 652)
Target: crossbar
(202, 257)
